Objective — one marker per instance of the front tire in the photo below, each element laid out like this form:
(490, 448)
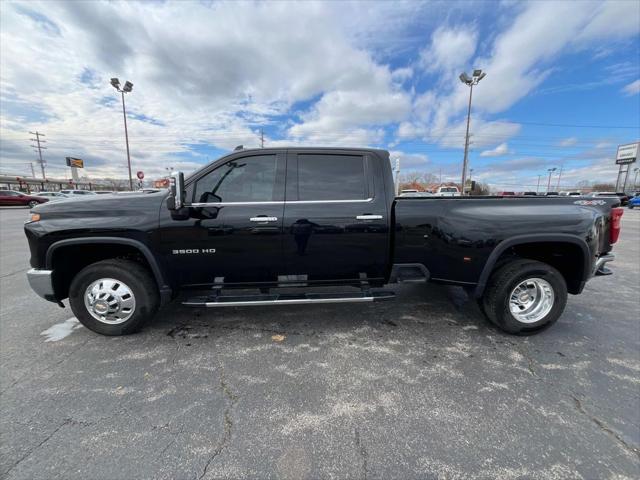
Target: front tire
(33, 203)
(114, 297)
(525, 297)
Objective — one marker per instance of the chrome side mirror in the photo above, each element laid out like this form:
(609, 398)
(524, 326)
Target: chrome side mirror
(175, 201)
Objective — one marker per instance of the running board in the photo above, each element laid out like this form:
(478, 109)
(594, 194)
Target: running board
(286, 299)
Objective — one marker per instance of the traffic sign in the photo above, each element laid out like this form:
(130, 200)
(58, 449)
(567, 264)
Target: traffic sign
(140, 174)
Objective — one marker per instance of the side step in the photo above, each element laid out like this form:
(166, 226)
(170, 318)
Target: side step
(287, 299)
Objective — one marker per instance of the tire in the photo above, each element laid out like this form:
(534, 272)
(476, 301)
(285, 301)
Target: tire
(33, 203)
(545, 292)
(630, 207)
(123, 283)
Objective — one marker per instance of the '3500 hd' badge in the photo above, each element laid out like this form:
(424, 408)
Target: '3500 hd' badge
(192, 251)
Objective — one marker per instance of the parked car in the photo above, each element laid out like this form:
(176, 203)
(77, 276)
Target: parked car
(506, 194)
(306, 217)
(447, 192)
(53, 195)
(634, 202)
(77, 193)
(532, 194)
(570, 194)
(624, 198)
(104, 192)
(13, 198)
(416, 194)
(552, 194)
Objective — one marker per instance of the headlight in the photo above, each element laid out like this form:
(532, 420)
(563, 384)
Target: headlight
(35, 217)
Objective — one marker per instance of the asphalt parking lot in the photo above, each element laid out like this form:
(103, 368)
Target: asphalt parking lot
(417, 388)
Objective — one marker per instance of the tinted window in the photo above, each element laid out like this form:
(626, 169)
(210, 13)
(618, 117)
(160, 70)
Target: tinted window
(249, 179)
(331, 177)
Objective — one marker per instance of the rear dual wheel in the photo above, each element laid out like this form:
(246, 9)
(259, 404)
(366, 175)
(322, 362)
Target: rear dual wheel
(525, 297)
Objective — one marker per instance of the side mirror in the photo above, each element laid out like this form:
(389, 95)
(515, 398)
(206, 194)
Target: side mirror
(175, 201)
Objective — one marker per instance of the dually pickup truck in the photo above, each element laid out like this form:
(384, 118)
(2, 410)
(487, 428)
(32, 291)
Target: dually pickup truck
(268, 226)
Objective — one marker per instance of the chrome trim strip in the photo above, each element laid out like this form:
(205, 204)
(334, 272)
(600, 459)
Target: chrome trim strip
(254, 303)
(280, 202)
(41, 282)
(369, 217)
(229, 204)
(365, 200)
(263, 219)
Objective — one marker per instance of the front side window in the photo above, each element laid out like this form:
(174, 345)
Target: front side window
(248, 179)
(331, 177)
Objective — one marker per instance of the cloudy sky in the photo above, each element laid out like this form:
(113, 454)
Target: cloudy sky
(562, 85)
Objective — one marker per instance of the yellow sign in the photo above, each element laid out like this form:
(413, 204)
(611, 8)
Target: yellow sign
(75, 162)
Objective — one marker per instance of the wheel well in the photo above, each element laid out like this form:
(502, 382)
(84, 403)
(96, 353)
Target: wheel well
(68, 260)
(567, 258)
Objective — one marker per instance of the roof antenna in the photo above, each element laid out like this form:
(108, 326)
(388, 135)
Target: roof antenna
(239, 147)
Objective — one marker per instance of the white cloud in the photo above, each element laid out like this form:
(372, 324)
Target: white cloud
(568, 142)
(409, 161)
(632, 89)
(500, 151)
(450, 49)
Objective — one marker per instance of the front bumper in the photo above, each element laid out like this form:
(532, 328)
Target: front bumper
(41, 282)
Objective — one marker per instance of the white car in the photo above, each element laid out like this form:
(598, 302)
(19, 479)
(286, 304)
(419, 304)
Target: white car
(77, 193)
(53, 196)
(448, 192)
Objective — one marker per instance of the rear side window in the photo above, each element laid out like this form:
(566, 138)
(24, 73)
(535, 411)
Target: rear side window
(248, 179)
(331, 177)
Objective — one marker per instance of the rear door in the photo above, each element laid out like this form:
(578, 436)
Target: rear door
(335, 219)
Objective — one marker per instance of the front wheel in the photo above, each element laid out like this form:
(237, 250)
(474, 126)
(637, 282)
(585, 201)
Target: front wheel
(33, 203)
(525, 297)
(114, 297)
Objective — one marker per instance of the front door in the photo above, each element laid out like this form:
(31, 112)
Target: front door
(234, 231)
(336, 220)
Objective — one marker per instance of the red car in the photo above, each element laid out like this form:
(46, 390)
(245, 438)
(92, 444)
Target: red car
(11, 198)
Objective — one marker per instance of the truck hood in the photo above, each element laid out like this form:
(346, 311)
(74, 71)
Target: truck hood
(106, 205)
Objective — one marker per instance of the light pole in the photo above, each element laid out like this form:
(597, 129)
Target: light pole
(550, 170)
(470, 82)
(538, 187)
(635, 178)
(115, 83)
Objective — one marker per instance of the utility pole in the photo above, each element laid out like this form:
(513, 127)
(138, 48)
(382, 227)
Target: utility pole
(550, 170)
(261, 138)
(538, 187)
(40, 148)
(635, 178)
(559, 177)
(33, 173)
(470, 82)
(397, 177)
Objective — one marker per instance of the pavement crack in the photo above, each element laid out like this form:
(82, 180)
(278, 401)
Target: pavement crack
(232, 398)
(602, 426)
(364, 454)
(32, 450)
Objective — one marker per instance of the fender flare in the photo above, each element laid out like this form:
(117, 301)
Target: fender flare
(161, 281)
(532, 238)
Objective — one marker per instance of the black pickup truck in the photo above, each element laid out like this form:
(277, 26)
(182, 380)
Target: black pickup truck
(268, 226)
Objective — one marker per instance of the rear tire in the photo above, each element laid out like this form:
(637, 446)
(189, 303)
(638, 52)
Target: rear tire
(33, 203)
(525, 297)
(114, 297)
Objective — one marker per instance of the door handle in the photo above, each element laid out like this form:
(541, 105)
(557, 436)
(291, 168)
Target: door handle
(369, 217)
(263, 219)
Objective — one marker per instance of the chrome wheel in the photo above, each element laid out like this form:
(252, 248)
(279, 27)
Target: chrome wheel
(531, 300)
(110, 301)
